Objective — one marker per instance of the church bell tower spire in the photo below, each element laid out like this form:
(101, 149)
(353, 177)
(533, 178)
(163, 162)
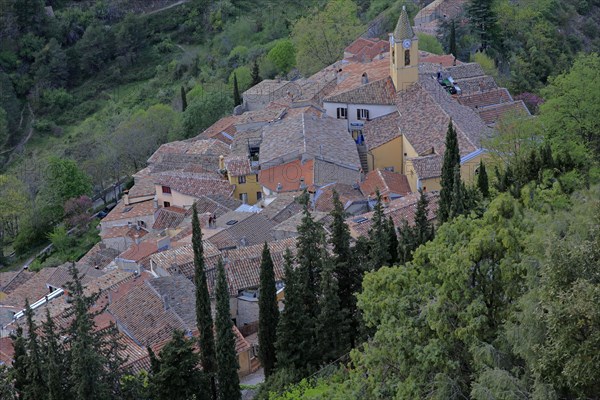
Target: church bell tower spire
(404, 53)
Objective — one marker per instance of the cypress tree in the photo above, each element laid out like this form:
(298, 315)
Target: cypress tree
(451, 159)
(255, 74)
(20, 361)
(227, 363)
(54, 362)
(331, 322)
(392, 241)
(237, 99)
(423, 229)
(203, 311)
(457, 206)
(183, 99)
(268, 313)
(176, 375)
(406, 242)
(378, 237)
(452, 40)
(346, 269)
(482, 180)
(483, 21)
(311, 245)
(295, 343)
(87, 364)
(36, 386)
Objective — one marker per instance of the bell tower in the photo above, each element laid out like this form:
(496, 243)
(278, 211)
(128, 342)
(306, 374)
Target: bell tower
(404, 54)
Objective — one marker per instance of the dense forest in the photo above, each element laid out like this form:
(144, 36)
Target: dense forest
(498, 300)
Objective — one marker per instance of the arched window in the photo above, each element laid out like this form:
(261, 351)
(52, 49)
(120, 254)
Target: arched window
(393, 55)
(406, 57)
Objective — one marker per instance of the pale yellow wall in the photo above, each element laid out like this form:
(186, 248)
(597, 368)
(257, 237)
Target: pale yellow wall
(468, 169)
(174, 198)
(404, 76)
(409, 151)
(244, 361)
(411, 175)
(251, 187)
(431, 184)
(387, 155)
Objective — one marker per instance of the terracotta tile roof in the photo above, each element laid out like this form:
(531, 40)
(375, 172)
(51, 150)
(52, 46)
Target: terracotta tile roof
(130, 212)
(469, 70)
(387, 182)
(143, 315)
(447, 60)
(178, 294)
(177, 155)
(33, 289)
(7, 277)
(487, 98)
(98, 256)
(143, 187)
(169, 217)
(122, 232)
(374, 92)
(308, 136)
(216, 204)
(266, 86)
(476, 84)
(349, 73)
(347, 194)
(137, 252)
(399, 209)
(381, 130)
(359, 44)
(183, 256)
(365, 49)
(289, 227)
(253, 230)
(238, 166)
(428, 166)
(287, 177)
(224, 125)
(281, 207)
(61, 275)
(195, 185)
(492, 114)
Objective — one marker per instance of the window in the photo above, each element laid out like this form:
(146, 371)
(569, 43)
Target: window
(241, 179)
(258, 196)
(342, 113)
(166, 204)
(406, 57)
(243, 197)
(362, 113)
(166, 189)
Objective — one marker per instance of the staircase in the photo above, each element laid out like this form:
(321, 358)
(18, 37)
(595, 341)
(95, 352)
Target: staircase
(362, 155)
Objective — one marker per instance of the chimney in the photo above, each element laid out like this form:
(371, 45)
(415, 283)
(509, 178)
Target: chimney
(302, 184)
(279, 187)
(221, 162)
(126, 199)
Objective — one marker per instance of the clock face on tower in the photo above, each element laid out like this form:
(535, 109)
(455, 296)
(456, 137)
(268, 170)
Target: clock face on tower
(406, 43)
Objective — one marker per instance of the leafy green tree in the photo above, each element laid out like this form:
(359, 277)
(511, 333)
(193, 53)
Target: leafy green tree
(255, 74)
(482, 180)
(129, 39)
(136, 387)
(203, 311)
(457, 204)
(423, 229)
(96, 48)
(295, 344)
(483, 20)
(3, 127)
(205, 111)
(9, 102)
(430, 44)
(14, 203)
(237, 99)
(283, 55)
(320, 38)
(177, 376)
(30, 15)
(379, 237)
(572, 104)
(227, 363)
(451, 159)
(268, 313)
(51, 68)
(36, 386)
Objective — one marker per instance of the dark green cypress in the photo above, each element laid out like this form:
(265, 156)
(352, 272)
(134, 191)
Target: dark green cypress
(311, 244)
(347, 269)
(183, 99)
(54, 361)
(237, 99)
(268, 314)
(20, 361)
(331, 322)
(392, 241)
(482, 180)
(457, 206)
(378, 237)
(227, 363)
(203, 311)
(452, 39)
(406, 242)
(255, 74)
(295, 343)
(423, 229)
(451, 159)
(177, 376)
(36, 385)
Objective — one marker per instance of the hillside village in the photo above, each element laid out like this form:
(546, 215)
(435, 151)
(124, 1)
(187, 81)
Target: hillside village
(373, 122)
